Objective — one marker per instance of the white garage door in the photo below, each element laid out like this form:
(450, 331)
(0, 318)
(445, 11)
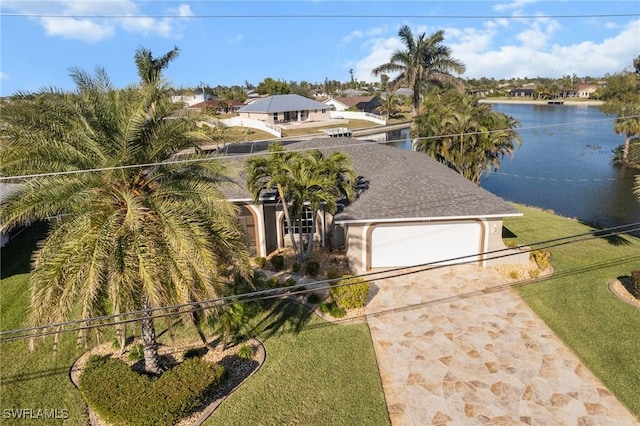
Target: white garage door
(408, 245)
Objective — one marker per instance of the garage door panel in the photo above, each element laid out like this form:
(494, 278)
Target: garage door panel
(407, 245)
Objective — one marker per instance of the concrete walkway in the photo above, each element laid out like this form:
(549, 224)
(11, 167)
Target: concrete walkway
(452, 351)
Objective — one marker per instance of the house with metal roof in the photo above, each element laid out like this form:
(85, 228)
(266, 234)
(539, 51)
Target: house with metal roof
(411, 210)
(360, 103)
(285, 108)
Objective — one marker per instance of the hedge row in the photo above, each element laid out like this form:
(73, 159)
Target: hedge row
(122, 396)
(350, 292)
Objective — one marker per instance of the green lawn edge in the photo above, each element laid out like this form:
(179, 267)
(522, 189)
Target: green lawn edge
(600, 328)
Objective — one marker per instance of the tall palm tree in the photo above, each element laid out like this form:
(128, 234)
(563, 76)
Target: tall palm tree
(136, 233)
(424, 60)
(150, 68)
(304, 180)
(465, 136)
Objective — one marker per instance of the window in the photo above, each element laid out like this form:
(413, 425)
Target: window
(307, 221)
(275, 116)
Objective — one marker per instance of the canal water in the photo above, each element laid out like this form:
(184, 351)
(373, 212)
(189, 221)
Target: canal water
(564, 164)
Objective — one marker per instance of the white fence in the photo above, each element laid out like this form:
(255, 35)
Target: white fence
(254, 124)
(379, 119)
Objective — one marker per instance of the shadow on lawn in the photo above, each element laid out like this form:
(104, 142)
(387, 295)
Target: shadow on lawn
(15, 257)
(285, 316)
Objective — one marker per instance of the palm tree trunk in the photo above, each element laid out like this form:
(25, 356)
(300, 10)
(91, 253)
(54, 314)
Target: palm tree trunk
(310, 237)
(625, 149)
(149, 342)
(285, 209)
(195, 315)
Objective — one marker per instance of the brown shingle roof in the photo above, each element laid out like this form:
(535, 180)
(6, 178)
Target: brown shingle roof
(403, 185)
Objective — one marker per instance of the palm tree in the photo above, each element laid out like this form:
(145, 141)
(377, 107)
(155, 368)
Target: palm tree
(424, 60)
(306, 180)
(628, 124)
(150, 68)
(139, 232)
(465, 136)
(389, 106)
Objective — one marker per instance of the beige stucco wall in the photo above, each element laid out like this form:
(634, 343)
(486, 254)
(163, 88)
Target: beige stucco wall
(495, 242)
(309, 115)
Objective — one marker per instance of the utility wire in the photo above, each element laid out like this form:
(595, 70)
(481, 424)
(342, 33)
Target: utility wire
(91, 323)
(365, 143)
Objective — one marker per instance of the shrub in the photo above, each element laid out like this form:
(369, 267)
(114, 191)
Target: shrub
(122, 396)
(511, 244)
(333, 273)
(312, 268)
(635, 283)
(259, 278)
(533, 273)
(273, 282)
(277, 262)
(314, 298)
(289, 282)
(260, 261)
(136, 352)
(332, 309)
(245, 352)
(350, 292)
(295, 267)
(542, 258)
(513, 275)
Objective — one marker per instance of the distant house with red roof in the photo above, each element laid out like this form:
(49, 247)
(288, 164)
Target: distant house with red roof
(220, 106)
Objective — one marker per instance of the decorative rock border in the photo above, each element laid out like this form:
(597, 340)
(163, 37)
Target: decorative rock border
(617, 288)
(196, 419)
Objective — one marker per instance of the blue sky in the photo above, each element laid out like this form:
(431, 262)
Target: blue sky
(228, 43)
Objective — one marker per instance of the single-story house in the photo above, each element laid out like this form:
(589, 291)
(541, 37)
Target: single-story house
(411, 210)
(586, 90)
(361, 103)
(285, 108)
(189, 100)
(522, 92)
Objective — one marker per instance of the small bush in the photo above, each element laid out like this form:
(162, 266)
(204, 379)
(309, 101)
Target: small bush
(277, 262)
(312, 268)
(273, 282)
(332, 309)
(511, 244)
(350, 292)
(289, 282)
(122, 396)
(260, 261)
(136, 352)
(314, 298)
(245, 352)
(542, 258)
(295, 267)
(635, 283)
(259, 279)
(533, 273)
(513, 275)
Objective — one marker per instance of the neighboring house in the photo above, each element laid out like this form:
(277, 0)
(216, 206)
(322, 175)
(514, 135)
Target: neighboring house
(360, 103)
(189, 100)
(285, 108)
(586, 90)
(219, 105)
(522, 92)
(354, 92)
(412, 210)
(6, 191)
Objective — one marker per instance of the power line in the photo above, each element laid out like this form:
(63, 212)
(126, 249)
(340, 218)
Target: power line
(311, 16)
(173, 310)
(216, 158)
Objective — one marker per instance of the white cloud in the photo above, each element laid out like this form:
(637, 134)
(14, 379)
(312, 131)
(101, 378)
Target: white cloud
(355, 34)
(237, 39)
(3, 76)
(81, 29)
(538, 49)
(82, 19)
(515, 5)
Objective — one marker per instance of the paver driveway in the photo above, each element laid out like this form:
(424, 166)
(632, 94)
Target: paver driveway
(452, 351)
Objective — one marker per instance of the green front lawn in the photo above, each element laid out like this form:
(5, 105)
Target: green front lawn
(315, 372)
(575, 302)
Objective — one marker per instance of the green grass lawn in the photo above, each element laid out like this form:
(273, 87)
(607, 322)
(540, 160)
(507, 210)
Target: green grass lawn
(315, 372)
(575, 302)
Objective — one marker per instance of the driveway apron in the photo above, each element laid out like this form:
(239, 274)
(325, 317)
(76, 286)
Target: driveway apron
(456, 345)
